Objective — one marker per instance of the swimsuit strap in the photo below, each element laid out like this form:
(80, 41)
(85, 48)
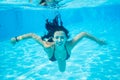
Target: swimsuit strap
(53, 56)
(68, 56)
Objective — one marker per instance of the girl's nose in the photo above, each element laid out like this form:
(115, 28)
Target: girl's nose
(59, 39)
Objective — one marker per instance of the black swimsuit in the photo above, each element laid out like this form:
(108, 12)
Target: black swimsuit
(53, 57)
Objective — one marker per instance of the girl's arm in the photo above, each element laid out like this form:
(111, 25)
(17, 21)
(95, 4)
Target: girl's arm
(27, 36)
(81, 35)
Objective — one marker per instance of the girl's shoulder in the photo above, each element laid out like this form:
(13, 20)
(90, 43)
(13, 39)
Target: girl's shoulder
(49, 47)
(48, 44)
(69, 44)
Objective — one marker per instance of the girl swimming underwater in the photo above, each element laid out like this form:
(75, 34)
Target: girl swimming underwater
(56, 43)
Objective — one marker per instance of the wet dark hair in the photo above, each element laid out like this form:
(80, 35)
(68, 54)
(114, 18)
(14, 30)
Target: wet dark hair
(52, 27)
(43, 1)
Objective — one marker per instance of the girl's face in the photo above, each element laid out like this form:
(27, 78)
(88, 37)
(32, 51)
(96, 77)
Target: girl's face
(59, 38)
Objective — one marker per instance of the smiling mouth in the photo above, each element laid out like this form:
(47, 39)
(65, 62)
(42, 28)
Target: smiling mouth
(60, 43)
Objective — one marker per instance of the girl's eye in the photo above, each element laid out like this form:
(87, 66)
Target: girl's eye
(56, 37)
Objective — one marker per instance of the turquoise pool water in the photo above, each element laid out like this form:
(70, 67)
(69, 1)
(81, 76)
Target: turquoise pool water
(89, 61)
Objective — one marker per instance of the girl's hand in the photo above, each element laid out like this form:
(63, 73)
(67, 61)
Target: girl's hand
(102, 42)
(14, 40)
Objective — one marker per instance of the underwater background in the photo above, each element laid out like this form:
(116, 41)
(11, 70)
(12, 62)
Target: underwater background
(89, 61)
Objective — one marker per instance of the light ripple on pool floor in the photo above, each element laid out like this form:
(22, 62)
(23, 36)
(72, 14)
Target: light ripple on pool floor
(87, 62)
